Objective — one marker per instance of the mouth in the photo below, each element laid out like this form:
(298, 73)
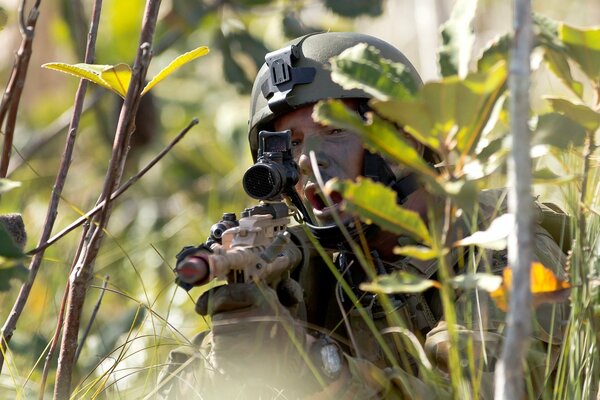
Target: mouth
(316, 199)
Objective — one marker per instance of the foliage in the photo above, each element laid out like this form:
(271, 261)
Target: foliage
(452, 117)
(117, 77)
(143, 315)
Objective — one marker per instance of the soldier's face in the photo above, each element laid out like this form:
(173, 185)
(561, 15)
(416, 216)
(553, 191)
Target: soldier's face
(338, 153)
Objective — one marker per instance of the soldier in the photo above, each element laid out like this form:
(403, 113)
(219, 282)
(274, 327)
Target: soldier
(261, 346)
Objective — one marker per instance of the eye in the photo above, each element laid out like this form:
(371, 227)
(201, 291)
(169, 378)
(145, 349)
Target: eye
(335, 131)
(296, 143)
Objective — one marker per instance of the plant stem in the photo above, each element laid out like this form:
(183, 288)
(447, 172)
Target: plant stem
(92, 318)
(509, 379)
(85, 217)
(14, 89)
(91, 239)
(15, 314)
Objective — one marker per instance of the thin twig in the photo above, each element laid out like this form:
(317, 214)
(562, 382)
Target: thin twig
(53, 343)
(86, 332)
(85, 217)
(91, 239)
(41, 138)
(14, 89)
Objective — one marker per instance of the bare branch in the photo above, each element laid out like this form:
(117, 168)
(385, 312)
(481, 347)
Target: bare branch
(86, 332)
(15, 314)
(509, 379)
(85, 217)
(91, 239)
(14, 89)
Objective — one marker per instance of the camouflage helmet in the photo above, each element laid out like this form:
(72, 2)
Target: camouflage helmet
(299, 74)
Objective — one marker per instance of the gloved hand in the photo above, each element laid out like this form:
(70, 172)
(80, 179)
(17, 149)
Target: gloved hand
(255, 339)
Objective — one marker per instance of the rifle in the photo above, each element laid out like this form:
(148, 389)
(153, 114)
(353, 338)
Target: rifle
(258, 246)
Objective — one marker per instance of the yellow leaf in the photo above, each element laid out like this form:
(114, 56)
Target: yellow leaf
(118, 77)
(85, 71)
(175, 64)
(545, 287)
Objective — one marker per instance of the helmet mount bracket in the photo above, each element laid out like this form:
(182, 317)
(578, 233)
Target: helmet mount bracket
(283, 76)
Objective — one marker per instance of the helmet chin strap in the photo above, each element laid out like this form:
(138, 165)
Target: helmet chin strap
(377, 169)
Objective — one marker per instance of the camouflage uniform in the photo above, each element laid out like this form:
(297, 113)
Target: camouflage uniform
(480, 326)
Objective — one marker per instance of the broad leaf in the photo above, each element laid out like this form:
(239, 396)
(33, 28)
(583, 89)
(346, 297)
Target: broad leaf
(558, 64)
(8, 248)
(376, 203)
(462, 191)
(379, 136)
(546, 287)
(579, 113)
(6, 185)
(399, 282)
(90, 72)
(494, 237)
(483, 281)
(175, 64)
(361, 67)
(494, 52)
(233, 71)
(457, 39)
(422, 253)
(547, 177)
(118, 77)
(355, 8)
(556, 130)
(452, 111)
(11, 271)
(583, 46)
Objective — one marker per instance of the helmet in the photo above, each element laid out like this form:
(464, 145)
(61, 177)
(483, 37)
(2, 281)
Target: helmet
(300, 74)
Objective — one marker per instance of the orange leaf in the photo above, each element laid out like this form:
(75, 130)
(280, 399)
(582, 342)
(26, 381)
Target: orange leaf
(545, 287)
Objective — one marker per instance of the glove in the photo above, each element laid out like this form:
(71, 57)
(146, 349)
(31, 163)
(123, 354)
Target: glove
(255, 340)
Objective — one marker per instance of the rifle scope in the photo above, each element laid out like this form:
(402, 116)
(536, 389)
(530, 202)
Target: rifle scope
(275, 171)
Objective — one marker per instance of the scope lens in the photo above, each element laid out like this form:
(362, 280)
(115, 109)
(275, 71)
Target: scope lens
(263, 181)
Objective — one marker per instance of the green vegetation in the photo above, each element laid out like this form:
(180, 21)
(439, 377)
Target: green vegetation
(142, 315)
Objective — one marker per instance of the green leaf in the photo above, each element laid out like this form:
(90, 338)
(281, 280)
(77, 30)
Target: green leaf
(494, 237)
(583, 46)
(452, 111)
(377, 203)
(233, 72)
(8, 248)
(422, 253)
(355, 8)
(458, 39)
(9, 271)
(548, 177)
(293, 27)
(462, 191)
(361, 67)
(483, 281)
(579, 113)
(91, 72)
(558, 64)
(399, 282)
(3, 18)
(118, 78)
(6, 185)
(378, 135)
(494, 52)
(176, 64)
(556, 130)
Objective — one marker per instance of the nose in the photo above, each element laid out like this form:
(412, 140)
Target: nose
(306, 167)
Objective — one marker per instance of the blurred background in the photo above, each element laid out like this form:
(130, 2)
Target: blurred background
(144, 315)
